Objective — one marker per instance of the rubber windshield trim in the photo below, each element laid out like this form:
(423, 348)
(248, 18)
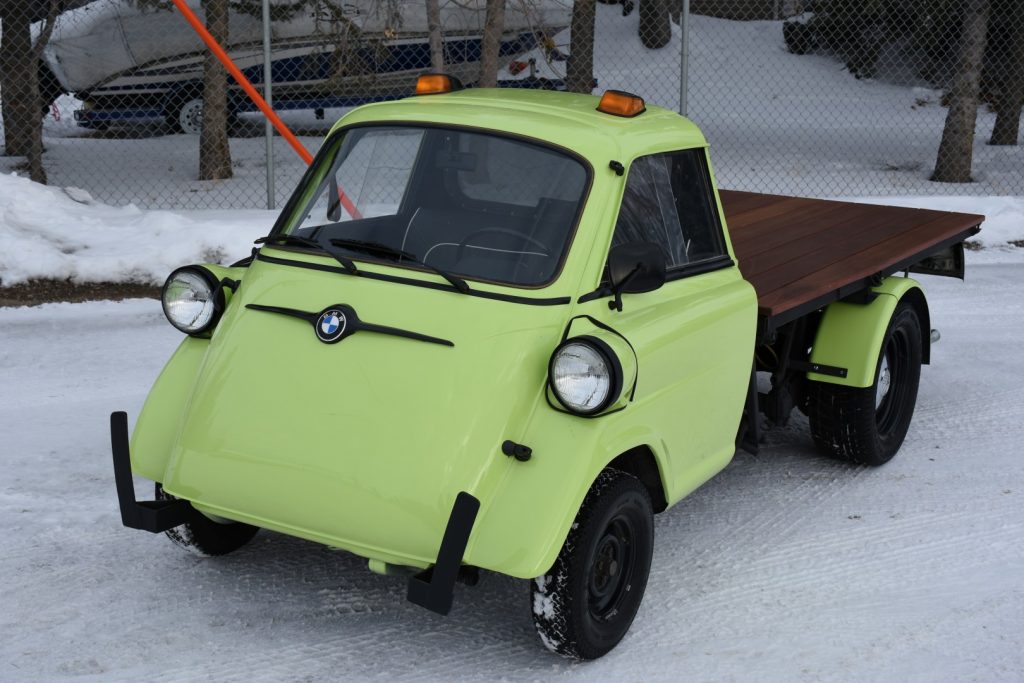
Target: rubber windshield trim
(293, 200)
(495, 296)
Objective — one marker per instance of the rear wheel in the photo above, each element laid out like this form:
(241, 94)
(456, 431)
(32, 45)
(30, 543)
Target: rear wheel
(585, 604)
(203, 536)
(867, 425)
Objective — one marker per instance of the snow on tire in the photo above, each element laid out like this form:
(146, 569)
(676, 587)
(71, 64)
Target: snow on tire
(586, 603)
(205, 537)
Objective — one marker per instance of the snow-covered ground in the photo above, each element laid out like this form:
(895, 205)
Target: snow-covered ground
(785, 567)
(776, 122)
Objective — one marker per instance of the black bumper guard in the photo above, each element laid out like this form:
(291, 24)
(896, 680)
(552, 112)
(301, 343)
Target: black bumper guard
(434, 587)
(149, 515)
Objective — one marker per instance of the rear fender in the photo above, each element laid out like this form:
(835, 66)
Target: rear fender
(850, 335)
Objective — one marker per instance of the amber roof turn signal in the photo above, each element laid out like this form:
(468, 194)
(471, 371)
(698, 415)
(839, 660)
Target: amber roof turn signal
(619, 103)
(433, 84)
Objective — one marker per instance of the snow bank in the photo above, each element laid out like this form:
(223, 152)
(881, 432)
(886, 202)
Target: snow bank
(48, 232)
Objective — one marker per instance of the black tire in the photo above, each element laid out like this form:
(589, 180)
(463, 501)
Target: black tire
(867, 426)
(586, 603)
(203, 536)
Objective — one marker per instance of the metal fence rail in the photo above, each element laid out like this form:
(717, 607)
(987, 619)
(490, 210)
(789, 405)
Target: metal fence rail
(815, 97)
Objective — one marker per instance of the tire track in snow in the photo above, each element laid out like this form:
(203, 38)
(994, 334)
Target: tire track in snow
(826, 561)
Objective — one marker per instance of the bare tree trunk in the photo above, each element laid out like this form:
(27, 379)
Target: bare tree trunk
(579, 72)
(953, 164)
(18, 69)
(434, 35)
(214, 148)
(655, 24)
(494, 26)
(1011, 99)
(23, 125)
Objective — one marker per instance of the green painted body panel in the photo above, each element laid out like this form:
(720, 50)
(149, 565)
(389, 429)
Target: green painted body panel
(157, 426)
(364, 444)
(851, 335)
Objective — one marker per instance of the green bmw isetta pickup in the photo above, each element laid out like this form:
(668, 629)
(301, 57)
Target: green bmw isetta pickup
(500, 330)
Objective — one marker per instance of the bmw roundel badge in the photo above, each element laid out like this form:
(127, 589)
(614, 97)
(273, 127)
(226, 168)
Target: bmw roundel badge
(330, 327)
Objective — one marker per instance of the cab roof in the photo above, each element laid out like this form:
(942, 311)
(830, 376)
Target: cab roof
(565, 119)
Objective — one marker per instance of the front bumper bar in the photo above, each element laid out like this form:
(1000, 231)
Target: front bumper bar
(149, 515)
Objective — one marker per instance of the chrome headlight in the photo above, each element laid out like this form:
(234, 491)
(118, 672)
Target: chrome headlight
(192, 300)
(585, 375)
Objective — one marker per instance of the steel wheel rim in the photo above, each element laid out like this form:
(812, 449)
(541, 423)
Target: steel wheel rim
(191, 116)
(896, 361)
(611, 569)
(884, 381)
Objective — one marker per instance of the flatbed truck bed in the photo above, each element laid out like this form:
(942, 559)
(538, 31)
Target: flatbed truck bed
(801, 254)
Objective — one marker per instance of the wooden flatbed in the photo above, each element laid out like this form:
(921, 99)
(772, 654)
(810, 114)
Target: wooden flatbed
(801, 254)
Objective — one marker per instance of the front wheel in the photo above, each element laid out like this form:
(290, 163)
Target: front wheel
(867, 425)
(203, 536)
(585, 604)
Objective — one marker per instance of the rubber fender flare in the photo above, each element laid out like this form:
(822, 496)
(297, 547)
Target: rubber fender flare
(850, 334)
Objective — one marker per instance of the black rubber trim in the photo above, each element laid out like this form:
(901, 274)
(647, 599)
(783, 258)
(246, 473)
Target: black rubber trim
(353, 323)
(678, 273)
(151, 515)
(433, 588)
(496, 296)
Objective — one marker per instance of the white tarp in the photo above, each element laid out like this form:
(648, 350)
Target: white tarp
(105, 38)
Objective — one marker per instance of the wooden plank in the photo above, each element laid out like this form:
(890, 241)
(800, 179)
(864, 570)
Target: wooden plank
(738, 202)
(806, 229)
(795, 250)
(835, 265)
(844, 238)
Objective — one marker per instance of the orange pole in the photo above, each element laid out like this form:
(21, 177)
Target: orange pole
(285, 132)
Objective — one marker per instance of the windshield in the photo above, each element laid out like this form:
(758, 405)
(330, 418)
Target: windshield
(472, 204)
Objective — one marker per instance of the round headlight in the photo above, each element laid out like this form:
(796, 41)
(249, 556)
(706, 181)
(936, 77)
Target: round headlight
(190, 301)
(585, 375)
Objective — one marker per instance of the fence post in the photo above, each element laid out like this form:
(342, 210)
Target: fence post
(268, 95)
(684, 57)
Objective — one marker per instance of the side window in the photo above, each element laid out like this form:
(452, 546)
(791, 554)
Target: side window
(668, 201)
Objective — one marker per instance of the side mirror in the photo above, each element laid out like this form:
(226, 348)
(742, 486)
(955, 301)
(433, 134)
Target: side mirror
(634, 268)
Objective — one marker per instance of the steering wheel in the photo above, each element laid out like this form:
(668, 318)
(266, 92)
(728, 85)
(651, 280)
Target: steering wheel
(502, 231)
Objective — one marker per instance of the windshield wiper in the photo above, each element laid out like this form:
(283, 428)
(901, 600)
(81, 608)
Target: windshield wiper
(378, 248)
(296, 241)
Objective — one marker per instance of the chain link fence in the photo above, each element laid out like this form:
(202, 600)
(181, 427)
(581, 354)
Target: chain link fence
(812, 97)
